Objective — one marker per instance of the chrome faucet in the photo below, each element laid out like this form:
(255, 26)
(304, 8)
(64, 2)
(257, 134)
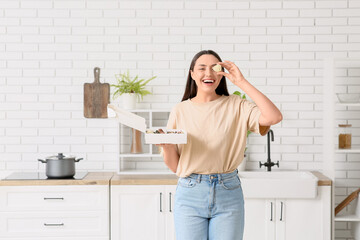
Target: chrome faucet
(269, 163)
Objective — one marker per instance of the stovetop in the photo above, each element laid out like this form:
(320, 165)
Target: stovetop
(41, 176)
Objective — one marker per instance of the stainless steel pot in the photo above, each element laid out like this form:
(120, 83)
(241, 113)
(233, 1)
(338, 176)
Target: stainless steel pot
(60, 166)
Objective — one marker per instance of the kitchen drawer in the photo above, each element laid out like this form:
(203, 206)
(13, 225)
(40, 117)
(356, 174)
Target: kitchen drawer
(54, 198)
(54, 224)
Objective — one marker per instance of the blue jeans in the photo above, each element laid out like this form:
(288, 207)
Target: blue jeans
(209, 207)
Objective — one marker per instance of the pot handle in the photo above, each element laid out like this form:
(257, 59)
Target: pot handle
(43, 161)
(77, 160)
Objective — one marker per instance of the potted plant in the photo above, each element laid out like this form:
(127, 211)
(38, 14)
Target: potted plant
(242, 166)
(130, 89)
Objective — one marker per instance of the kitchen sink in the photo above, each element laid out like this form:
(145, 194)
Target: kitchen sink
(279, 184)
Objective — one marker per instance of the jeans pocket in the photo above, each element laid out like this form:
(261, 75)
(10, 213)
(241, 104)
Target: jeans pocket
(187, 182)
(231, 184)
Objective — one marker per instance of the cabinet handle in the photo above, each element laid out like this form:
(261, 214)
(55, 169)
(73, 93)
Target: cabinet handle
(53, 198)
(53, 224)
(160, 202)
(281, 213)
(170, 210)
(271, 218)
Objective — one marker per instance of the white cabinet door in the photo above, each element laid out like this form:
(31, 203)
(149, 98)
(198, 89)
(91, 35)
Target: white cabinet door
(300, 219)
(280, 219)
(259, 219)
(137, 212)
(169, 215)
(304, 218)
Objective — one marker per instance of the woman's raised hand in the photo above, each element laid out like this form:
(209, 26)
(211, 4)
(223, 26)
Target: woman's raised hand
(234, 74)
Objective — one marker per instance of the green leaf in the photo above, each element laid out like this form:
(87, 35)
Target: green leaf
(248, 133)
(237, 93)
(243, 96)
(126, 84)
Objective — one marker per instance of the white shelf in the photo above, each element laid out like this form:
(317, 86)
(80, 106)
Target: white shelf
(134, 155)
(348, 104)
(353, 149)
(132, 163)
(148, 110)
(146, 172)
(330, 145)
(347, 218)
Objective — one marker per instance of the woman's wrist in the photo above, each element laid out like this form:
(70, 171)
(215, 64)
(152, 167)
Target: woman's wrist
(168, 147)
(241, 83)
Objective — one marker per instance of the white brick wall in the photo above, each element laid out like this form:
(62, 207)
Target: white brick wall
(48, 49)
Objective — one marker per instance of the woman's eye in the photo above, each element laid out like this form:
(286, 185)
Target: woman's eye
(201, 68)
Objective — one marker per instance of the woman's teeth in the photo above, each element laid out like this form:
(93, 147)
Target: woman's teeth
(208, 81)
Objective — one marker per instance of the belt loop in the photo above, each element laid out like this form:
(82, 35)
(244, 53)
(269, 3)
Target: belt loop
(198, 178)
(219, 177)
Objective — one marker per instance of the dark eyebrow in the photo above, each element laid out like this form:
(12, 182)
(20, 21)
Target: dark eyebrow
(203, 65)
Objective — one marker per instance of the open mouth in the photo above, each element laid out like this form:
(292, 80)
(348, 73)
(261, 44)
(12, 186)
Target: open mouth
(208, 81)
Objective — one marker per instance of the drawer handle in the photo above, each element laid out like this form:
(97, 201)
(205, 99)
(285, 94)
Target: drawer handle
(170, 210)
(53, 198)
(160, 202)
(53, 224)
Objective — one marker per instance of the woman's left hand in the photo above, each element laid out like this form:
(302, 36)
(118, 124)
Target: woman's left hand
(234, 75)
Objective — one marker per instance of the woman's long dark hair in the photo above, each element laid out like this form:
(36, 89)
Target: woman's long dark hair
(191, 88)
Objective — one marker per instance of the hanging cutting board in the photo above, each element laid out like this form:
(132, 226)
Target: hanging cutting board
(96, 97)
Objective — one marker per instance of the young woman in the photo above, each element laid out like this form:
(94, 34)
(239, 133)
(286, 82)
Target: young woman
(209, 202)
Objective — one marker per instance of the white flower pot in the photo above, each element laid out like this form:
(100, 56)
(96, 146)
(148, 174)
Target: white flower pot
(242, 166)
(129, 100)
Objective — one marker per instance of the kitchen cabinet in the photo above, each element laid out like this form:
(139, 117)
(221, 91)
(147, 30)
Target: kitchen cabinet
(259, 223)
(340, 75)
(149, 160)
(142, 212)
(54, 212)
(295, 219)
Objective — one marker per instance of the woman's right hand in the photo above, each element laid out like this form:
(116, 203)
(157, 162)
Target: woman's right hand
(167, 146)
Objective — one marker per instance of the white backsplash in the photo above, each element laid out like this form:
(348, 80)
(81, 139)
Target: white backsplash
(48, 50)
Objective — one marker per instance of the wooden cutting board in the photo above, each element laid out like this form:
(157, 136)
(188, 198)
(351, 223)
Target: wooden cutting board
(96, 97)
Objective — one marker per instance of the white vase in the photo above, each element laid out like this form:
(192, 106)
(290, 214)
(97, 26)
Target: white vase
(242, 165)
(129, 100)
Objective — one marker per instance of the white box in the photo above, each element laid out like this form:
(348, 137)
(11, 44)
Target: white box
(134, 121)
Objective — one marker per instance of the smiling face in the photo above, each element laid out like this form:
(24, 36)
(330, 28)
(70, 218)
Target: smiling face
(205, 77)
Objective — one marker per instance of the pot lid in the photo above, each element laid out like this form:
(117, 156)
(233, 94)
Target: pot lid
(61, 156)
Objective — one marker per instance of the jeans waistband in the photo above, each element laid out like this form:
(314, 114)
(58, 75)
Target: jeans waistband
(218, 176)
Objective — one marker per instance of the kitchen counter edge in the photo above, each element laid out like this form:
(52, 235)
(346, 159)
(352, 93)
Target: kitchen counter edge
(111, 178)
(171, 179)
(92, 178)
